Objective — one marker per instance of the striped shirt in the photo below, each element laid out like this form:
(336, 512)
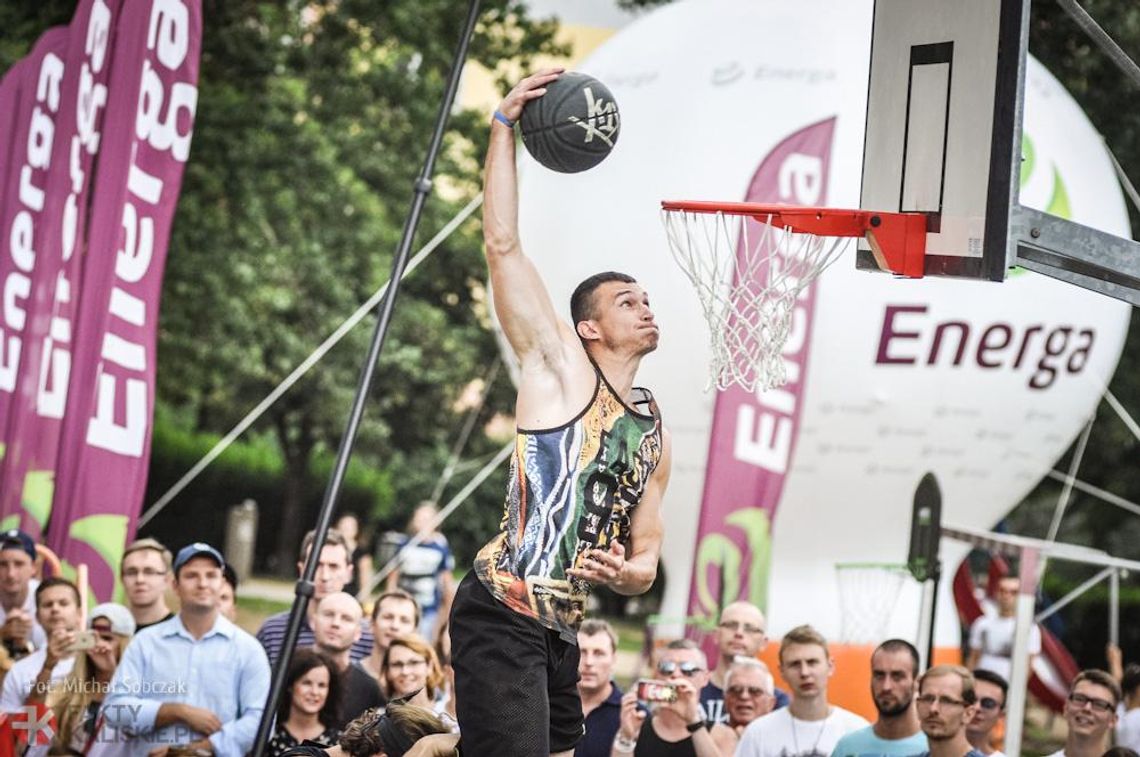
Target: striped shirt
(272, 635)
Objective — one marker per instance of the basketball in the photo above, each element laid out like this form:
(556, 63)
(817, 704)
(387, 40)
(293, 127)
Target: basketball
(573, 126)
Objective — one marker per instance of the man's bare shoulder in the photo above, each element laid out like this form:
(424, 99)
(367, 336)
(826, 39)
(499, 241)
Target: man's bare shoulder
(554, 387)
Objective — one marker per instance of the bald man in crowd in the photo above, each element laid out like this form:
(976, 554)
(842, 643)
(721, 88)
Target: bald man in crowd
(741, 632)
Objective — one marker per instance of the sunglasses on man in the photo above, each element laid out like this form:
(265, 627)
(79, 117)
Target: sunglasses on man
(688, 669)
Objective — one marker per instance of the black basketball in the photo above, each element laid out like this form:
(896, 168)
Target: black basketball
(573, 126)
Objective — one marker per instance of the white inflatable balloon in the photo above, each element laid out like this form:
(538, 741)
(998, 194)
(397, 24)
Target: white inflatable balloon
(983, 384)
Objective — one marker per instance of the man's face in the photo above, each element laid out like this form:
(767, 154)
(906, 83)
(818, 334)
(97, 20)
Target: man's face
(941, 710)
(678, 664)
(892, 682)
(990, 704)
(145, 578)
(1090, 711)
(333, 571)
(227, 603)
(749, 695)
(396, 617)
(16, 569)
(1007, 595)
(622, 317)
(57, 608)
(741, 631)
(336, 625)
(806, 668)
(595, 661)
(199, 584)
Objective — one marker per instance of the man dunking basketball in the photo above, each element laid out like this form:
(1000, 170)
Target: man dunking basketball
(583, 506)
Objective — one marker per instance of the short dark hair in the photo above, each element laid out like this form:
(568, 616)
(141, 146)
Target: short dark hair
(51, 583)
(1100, 678)
(597, 626)
(333, 538)
(1120, 751)
(892, 646)
(1131, 679)
(981, 674)
(582, 301)
(969, 696)
(682, 644)
(303, 661)
(395, 594)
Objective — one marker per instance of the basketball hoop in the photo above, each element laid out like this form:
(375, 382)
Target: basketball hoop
(748, 263)
(868, 593)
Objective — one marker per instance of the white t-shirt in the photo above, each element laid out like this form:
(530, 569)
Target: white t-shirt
(993, 636)
(20, 679)
(1128, 729)
(778, 734)
(39, 638)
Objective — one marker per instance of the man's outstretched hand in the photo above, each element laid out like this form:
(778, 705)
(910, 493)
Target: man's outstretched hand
(530, 88)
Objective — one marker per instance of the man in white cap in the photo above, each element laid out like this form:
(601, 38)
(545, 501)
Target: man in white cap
(196, 680)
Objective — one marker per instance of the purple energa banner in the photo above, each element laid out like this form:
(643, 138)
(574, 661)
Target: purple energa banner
(11, 91)
(106, 434)
(753, 435)
(31, 140)
(27, 473)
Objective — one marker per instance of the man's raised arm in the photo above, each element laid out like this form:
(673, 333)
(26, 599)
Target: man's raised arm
(522, 303)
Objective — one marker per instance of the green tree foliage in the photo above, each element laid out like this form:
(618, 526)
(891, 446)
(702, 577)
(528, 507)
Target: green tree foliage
(313, 121)
(313, 124)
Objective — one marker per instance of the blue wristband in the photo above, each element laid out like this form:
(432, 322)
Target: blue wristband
(504, 120)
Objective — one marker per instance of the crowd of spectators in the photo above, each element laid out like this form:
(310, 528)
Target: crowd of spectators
(140, 678)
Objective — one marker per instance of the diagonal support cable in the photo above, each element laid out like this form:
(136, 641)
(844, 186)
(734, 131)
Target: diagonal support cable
(1106, 43)
(314, 357)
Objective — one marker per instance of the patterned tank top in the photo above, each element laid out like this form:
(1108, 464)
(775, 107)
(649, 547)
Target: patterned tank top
(572, 489)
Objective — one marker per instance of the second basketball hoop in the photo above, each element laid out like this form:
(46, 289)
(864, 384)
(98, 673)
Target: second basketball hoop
(748, 263)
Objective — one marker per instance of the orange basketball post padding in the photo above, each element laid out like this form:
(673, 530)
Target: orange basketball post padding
(897, 240)
(48, 563)
(850, 687)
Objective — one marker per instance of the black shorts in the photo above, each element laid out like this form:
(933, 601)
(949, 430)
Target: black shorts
(516, 681)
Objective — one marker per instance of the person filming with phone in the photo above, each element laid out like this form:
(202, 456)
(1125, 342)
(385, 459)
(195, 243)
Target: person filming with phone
(75, 701)
(57, 610)
(675, 725)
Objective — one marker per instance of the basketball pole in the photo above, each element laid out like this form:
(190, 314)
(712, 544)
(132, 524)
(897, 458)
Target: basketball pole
(421, 190)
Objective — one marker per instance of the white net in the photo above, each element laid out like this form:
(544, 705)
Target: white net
(747, 276)
(868, 593)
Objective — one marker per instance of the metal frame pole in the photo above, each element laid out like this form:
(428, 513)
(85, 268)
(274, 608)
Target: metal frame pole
(1114, 607)
(1019, 668)
(421, 190)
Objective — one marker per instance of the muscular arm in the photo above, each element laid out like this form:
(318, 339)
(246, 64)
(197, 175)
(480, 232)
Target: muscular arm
(647, 528)
(522, 303)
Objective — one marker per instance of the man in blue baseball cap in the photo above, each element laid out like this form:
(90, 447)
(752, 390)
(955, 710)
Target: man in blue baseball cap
(19, 631)
(196, 680)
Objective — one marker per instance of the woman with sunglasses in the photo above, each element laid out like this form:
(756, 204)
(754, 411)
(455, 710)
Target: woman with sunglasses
(673, 728)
